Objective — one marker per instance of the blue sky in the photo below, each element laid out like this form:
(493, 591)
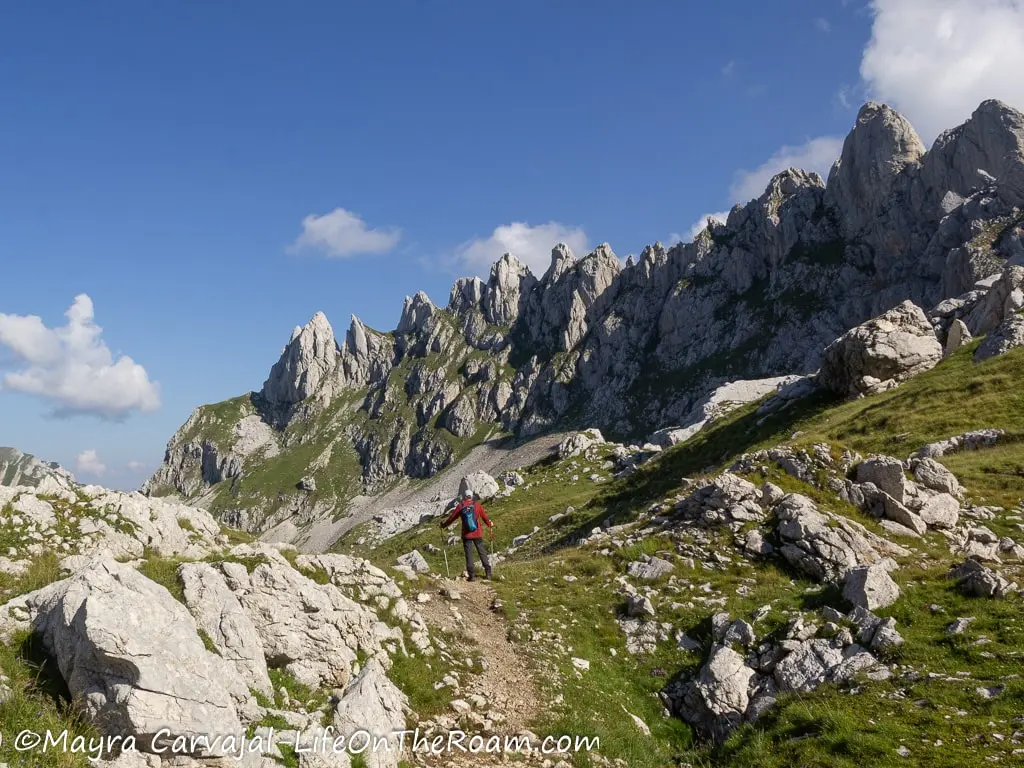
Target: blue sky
(211, 174)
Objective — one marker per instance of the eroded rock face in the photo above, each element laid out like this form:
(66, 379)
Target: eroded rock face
(762, 295)
(881, 353)
(510, 282)
(881, 146)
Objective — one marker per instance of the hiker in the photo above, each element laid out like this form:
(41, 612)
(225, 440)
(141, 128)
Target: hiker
(472, 514)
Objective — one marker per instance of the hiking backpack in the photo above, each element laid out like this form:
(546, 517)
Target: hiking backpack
(468, 513)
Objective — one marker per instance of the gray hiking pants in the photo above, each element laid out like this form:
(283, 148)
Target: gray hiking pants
(467, 547)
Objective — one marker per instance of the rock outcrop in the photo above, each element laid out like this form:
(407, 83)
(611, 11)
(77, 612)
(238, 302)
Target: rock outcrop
(881, 353)
(132, 659)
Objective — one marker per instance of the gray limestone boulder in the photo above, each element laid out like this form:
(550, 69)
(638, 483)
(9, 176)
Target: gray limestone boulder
(132, 658)
(870, 587)
(881, 353)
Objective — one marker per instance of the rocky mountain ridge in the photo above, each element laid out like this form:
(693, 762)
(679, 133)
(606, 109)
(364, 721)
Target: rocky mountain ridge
(18, 468)
(628, 348)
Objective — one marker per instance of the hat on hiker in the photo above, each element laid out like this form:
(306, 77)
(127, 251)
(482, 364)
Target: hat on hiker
(467, 494)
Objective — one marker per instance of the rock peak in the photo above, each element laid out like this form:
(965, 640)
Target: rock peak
(562, 259)
(510, 280)
(466, 295)
(416, 310)
(881, 145)
(305, 363)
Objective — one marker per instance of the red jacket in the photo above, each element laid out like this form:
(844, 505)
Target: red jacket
(478, 510)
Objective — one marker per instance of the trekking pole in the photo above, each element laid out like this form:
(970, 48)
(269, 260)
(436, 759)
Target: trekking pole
(444, 549)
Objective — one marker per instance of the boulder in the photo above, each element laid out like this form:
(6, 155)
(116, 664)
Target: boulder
(653, 568)
(1008, 335)
(480, 484)
(724, 500)
(807, 667)
(639, 606)
(968, 441)
(933, 475)
(132, 658)
(941, 511)
(577, 443)
(219, 614)
(717, 700)
(870, 587)
(881, 353)
(312, 630)
(371, 702)
(958, 336)
(826, 546)
(886, 473)
(414, 560)
(977, 580)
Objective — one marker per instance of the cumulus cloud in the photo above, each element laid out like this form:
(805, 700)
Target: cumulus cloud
(88, 463)
(530, 244)
(137, 466)
(698, 226)
(341, 233)
(814, 155)
(936, 60)
(72, 367)
(822, 24)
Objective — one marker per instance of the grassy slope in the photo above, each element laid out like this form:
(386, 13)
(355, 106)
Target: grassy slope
(940, 722)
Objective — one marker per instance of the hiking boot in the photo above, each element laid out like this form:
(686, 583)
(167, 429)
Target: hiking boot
(489, 575)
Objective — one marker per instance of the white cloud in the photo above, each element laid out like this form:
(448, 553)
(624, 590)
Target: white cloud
(822, 25)
(531, 245)
(88, 463)
(814, 155)
(137, 466)
(698, 226)
(72, 367)
(342, 233)
(936, 60)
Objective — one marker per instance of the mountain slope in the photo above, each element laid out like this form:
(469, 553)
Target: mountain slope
(947, 693)
(626, 348)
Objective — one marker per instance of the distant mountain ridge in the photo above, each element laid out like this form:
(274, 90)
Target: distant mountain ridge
(627, 349)
(18, 468)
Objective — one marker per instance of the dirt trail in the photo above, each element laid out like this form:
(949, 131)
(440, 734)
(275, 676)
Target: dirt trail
(507, 683)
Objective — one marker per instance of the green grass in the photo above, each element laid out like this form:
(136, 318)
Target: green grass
(164, 571)
(39, 701)
(43, 569)
(300, 694)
